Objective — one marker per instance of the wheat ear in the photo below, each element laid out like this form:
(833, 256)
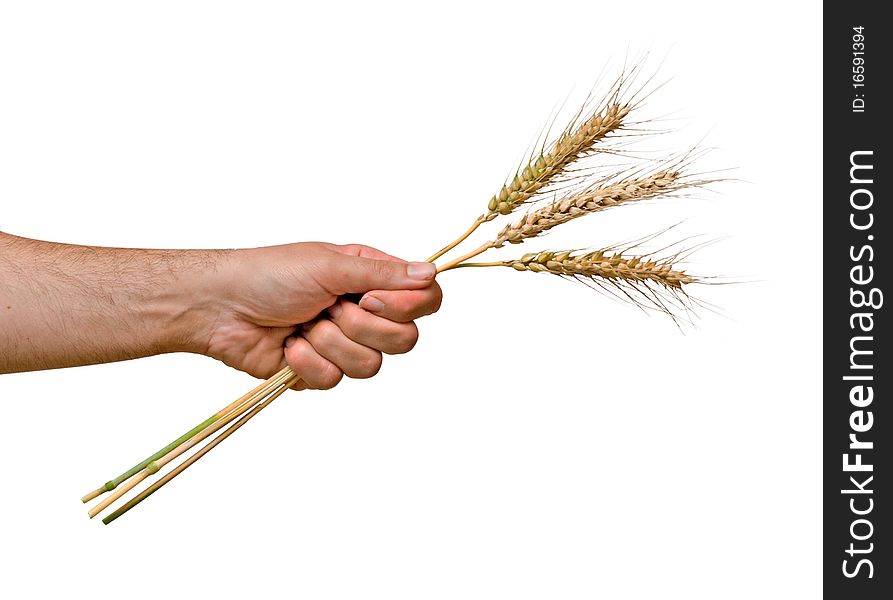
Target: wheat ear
(593, 199)
(645, 281)
(573, 144)
(605, 264)
(578, 140)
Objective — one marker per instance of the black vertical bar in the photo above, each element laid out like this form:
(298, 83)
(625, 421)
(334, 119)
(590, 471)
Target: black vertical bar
(857, 369)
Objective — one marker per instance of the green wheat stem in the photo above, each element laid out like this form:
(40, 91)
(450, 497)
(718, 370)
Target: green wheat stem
(113, 483)
(204, 450)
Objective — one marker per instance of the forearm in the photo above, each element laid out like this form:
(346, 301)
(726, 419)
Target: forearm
(65, 305)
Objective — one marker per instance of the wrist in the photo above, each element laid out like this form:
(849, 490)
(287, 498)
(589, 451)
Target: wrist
(187, 310)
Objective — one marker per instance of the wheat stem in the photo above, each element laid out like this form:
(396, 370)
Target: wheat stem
(479, 264)
(458, 240)
(191, 460)
(112, 484)
(453, 263)
(156, 465)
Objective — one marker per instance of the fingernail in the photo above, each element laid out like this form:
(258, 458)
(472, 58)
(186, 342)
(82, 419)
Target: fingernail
(371, 303)
(420, 271)
(335, 310)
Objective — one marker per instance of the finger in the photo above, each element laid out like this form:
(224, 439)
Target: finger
(348, 274)
(299, 386)
(354, 360)
(283, 363)
(315, 371)
(366, 252)
(403, 305)
(373, 331)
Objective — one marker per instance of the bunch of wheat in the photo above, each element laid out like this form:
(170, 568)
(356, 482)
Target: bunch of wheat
(562, 194)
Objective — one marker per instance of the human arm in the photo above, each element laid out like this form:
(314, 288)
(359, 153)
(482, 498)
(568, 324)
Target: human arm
(65, 305)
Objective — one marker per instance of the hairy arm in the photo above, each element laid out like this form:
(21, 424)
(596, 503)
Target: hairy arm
(256, 309)
(65, 305)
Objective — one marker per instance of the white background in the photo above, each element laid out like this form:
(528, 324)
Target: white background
(541, 441)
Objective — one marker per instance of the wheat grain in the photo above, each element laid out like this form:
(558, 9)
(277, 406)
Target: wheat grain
(574, 143)
(589, 201)
(605, 264)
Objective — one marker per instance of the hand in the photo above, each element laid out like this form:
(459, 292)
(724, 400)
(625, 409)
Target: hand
(272, 298)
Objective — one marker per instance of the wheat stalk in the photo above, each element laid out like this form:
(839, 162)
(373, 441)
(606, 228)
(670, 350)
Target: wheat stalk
(284, 379)
(204, 450)
(260, 390)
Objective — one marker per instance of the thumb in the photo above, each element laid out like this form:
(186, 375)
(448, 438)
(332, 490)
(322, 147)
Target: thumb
(357, 274)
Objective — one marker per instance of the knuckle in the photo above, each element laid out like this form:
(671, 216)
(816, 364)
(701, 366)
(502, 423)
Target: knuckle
(386, 269)
(368, 366)
(407, 339)
(327, 377)
(405, 310)
(434, 300)
(352, 321)
(313, 370)
(438, 300)
(326, 334)
(298, 355)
